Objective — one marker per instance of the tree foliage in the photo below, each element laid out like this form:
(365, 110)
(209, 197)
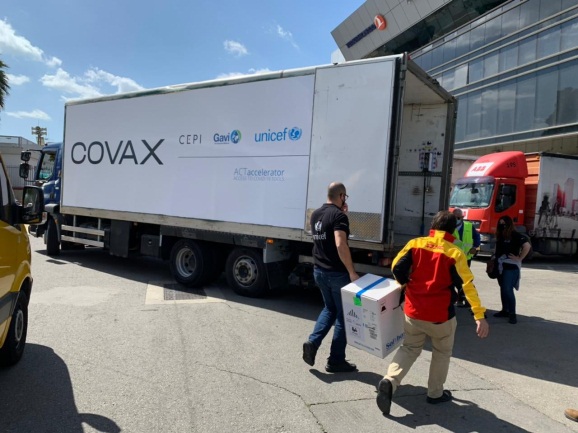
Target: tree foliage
(4, 87)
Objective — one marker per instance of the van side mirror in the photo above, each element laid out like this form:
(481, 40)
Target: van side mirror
(33, 206)
(25, 155)
(24, 170)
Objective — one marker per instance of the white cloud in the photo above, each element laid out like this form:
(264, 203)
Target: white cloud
(286, 35)
(65, 83)
(240, 74)
(34, 114)
(17, 80)
(235, 48)
(11, 43)
(90, 85)
(122, 84)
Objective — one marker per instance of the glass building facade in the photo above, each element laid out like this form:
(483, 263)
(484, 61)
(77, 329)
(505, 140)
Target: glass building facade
(514, 71)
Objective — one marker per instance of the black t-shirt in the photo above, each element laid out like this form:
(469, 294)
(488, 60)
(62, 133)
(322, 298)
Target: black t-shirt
(510, 246)
(324, 222)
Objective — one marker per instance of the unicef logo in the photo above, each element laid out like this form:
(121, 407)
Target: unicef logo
(235, 136)
(295, 133)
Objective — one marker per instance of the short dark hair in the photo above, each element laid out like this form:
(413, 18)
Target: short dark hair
(444, 220)
(334, 190)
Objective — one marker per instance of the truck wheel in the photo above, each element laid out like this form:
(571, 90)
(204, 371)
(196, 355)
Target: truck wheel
(13, 347)
(191, 262)
(52, 244)
(246, 272)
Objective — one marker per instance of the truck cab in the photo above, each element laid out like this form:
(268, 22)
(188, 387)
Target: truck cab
(15, 258)
(493, 187)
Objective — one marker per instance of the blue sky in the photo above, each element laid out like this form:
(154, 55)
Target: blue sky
(59, 50)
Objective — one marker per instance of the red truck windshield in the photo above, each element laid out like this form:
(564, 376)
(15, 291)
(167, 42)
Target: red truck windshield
(471, 194)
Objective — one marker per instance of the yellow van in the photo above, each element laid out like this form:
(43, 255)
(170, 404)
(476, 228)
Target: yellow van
(15, 276)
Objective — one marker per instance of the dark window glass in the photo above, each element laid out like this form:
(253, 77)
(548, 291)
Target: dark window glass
(506, 107)
(568, 93)
(476, 70)
(549, 7)
(489, 112)
(529, 13)
(473, 123)
(461, 76)
(527, 51)
(491, 64)
(494, 29)
(506, 197)
(569, 35)
(462, 44)
(546, 98)
(462, 118)
(477, 37)
(508, 57)
(548, 42)
(525, 102)
(449, 50)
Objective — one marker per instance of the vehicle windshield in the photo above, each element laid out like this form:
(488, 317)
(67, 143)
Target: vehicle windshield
(472, 195)
(46, 166)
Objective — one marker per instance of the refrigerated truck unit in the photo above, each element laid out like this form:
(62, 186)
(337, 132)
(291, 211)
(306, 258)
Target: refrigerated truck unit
(224, 174)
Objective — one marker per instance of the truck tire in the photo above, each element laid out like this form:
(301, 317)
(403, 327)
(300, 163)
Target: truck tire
(52, 244)
(191, 262)
(13, 347)
(246, 272)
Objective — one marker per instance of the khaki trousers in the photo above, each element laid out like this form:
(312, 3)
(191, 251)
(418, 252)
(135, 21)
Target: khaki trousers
(442, 339)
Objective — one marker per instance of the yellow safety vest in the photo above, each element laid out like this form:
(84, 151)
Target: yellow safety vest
(467, 242)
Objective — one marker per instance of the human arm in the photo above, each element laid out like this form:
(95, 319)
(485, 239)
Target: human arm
(523, 252)
(462, 277)
(477, 241)
(345, 253)
(482, 328)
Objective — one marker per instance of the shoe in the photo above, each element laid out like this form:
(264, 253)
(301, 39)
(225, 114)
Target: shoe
(502, 314)
(445, 397)
(513, 319)
(384, 395)
(309, 352)
(571, 414)
(342, 367)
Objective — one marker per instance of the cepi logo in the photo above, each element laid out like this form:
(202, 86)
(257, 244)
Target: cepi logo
(293, 134)
(232, 137)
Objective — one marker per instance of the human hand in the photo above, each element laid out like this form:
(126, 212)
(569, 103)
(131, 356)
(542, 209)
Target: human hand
(345, 208)
(482, 328)
(514, 257)
(353, 276)
(473, 250)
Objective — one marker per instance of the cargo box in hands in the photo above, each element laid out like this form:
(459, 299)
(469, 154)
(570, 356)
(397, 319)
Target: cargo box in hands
(373, 314)
(224, 174)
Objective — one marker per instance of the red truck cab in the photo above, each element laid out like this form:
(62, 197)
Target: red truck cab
(494, 186)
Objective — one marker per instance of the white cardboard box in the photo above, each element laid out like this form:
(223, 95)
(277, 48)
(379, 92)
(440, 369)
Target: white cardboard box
(373, 317)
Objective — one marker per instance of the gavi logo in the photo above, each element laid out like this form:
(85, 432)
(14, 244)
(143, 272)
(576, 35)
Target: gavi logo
(232, 137)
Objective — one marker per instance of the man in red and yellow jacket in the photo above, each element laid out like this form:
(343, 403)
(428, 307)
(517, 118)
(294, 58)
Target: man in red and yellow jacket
(430, 267)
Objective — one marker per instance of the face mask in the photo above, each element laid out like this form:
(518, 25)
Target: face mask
(459, 224)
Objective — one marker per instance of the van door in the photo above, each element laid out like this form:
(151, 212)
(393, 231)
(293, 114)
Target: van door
(12, 250)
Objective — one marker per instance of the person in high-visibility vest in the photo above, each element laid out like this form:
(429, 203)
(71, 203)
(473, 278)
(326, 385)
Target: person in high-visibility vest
(468, 240)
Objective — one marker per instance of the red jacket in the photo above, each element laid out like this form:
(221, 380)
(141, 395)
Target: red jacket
(431, 267)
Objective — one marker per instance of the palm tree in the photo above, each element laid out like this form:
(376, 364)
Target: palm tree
(4, 87)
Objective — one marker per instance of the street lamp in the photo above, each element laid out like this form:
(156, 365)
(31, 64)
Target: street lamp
(39, 132)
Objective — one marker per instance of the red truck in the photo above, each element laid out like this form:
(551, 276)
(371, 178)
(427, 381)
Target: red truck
(539, 191)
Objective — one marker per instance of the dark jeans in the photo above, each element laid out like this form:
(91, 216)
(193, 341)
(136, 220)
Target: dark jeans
(507, 280)
(330, 284)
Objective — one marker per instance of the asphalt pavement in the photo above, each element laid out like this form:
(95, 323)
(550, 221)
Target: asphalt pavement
(115, 346)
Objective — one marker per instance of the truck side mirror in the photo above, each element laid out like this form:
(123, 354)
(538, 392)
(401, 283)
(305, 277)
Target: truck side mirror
(25, 155)
(33, 206)
(24, 170)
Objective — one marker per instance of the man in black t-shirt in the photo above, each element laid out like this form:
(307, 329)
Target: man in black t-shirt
(333, 270)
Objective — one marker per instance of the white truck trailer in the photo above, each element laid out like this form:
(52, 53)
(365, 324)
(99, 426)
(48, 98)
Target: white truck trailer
(224, 174)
